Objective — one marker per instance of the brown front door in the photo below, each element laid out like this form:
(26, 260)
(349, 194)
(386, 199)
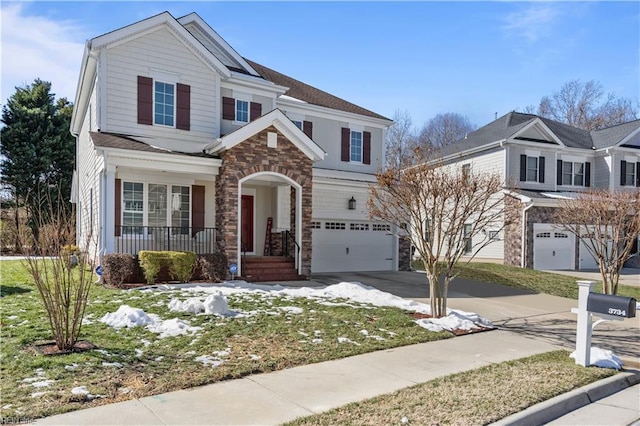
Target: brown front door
(246, 227)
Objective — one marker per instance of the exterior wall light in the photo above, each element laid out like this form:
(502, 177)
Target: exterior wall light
(352, 203)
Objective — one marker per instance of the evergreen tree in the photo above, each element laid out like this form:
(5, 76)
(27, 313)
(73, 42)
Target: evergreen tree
(37, 150)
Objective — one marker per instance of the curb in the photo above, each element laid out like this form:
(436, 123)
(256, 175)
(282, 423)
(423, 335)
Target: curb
(560, 405)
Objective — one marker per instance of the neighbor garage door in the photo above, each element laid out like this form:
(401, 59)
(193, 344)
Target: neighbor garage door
(552, 248)
(351, 246)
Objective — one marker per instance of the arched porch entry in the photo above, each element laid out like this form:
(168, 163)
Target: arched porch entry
(270, 218)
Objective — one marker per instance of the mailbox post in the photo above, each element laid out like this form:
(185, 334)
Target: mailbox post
(606, 306)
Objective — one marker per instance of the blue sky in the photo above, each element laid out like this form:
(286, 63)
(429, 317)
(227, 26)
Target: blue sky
(473, 58)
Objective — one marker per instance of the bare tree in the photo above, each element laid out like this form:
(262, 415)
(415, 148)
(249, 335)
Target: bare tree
(451, 213)
(400, 140)
(608, 223)
(444, 129)
(585, 105)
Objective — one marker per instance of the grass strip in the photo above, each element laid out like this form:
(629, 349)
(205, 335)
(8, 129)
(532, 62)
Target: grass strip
(478, 396)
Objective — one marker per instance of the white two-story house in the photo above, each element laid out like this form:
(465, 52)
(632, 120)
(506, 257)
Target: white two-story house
(542, 161)
(184, 144)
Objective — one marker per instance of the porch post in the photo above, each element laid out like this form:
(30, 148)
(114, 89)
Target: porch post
(108, 222)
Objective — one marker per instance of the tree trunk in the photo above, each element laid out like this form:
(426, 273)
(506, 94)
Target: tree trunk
(436, 296)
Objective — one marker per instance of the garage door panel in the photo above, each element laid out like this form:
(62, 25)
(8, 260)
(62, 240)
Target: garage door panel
(336, 250)
(553, 249)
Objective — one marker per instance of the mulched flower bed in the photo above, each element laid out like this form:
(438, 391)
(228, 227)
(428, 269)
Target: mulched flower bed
(51, 348)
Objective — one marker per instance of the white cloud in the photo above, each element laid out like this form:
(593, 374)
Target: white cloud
(39, 47)
(533, 23)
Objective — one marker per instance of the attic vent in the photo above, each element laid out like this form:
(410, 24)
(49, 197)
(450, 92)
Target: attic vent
(272, 140)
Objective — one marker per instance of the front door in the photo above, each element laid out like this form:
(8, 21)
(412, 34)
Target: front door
(246, 226)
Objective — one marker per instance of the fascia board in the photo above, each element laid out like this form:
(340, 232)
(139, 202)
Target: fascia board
(343, 175)
(332, 114)
(167, 158)
(255, 86)
(467, 152)
(538, 122)
(86, 78)
(211, 33)
(150, 25)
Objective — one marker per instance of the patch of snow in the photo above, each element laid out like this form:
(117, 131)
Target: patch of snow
(38, 394)
(404, 420)
(291, 309)
(364, 332)
(43, 383)
(602, 358)
(82, 390)
(12, 317)
(173, 327)
(347, 340)
(209, 360)
(71, 367)
(139, 352)
(213, 304)
(159, 358)
(317, 341)
(455, 320)
(126, 316)
(112, 364)
(254, 357)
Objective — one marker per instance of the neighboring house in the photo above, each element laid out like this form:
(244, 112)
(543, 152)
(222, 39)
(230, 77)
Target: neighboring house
(543, 161)
(184, 144)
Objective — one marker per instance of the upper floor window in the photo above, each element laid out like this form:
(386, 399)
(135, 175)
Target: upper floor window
(468, 243)
(164, 103)
(242, 111)
(531, 169)
(466, 173)
(297, 123)
(629, 175)
(356, 147)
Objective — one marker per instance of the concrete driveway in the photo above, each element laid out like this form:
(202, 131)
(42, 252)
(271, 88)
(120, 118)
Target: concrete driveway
(628, 276)
(538, 316)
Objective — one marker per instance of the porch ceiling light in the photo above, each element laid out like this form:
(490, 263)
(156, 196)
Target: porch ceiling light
(352, 203)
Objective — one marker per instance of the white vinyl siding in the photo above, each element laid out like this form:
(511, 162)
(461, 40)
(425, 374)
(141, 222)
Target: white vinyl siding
(159, 50)
(513, 165)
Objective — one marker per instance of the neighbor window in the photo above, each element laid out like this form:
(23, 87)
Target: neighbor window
(468, 244)
(466, 173)
(242, 111)
(164, 103)
(629, 174)
(356, 147)
(532, 169)
(297, 123)
(572, 173)
(155, 205)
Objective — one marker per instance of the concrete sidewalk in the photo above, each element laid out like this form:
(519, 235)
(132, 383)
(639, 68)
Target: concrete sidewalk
(284, 395)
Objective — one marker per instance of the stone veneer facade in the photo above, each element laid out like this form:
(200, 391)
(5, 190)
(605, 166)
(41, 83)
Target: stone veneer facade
(252, 156)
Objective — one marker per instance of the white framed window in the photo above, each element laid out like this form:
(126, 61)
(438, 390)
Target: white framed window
(155, 205)
(356, 146)
(629, 174)
(335, 225)
(164, 103)
(242, 111)
(532, 169)
(466, 172)
(572, 173)
(468, 243)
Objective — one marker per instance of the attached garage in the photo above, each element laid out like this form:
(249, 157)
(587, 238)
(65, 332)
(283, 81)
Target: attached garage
(340, 245)
(553, 249)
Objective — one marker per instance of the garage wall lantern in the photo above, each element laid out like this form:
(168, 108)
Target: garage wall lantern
(352, 203)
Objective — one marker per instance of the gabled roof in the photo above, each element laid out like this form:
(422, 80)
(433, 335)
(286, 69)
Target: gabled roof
(509, 125)
(614, 135)
(282, 123)
(310, 94)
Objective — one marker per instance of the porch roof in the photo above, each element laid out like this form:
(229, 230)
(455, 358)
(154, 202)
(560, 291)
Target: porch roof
(112, 140)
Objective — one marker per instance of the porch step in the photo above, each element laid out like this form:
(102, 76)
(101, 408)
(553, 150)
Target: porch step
(270, 268)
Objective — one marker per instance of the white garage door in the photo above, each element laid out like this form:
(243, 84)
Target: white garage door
(340, 246)
(587, 261)
(552, 248)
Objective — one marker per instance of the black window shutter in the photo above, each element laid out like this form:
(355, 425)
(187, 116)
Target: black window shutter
(541, 169)
(183, 104)
(228, 108)
(255, 110)
(523, 168)
(638, 174)
(145, 100)
(559, 172)
(366, 147)
(117, 208)
(623, 171)
(307, 128)
(587, 174)
(345, 154)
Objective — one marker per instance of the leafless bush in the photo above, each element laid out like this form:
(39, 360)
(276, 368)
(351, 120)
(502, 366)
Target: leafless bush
(63, 288)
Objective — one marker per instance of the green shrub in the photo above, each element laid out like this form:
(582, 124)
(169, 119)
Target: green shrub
(180, 264)
(117, 267)
(213, 266)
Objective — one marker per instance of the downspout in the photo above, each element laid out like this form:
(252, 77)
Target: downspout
(524, 233)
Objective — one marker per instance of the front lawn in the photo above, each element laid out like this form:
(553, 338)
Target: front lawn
(265, 331)
(530, 279)
(478, 396)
